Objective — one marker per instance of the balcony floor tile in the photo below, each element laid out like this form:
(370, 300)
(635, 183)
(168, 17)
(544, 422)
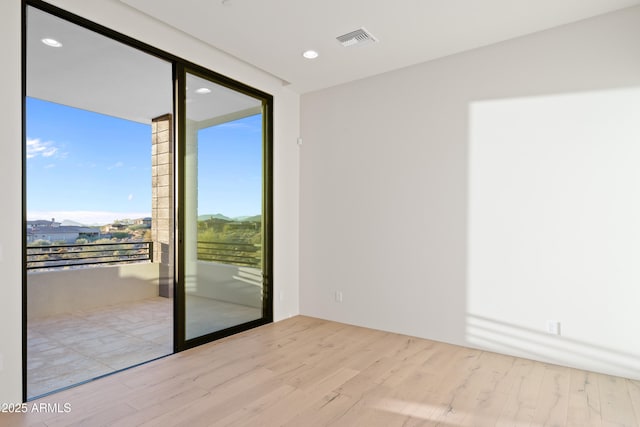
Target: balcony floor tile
(68, 349)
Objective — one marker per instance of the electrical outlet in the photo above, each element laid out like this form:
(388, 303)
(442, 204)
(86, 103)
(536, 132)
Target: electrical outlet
(338, 296)
(553, 327)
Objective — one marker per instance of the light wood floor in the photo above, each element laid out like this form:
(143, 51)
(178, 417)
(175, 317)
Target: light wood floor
(308, 372)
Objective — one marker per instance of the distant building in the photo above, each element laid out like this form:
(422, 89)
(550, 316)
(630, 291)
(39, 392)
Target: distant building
(43, 223)
(54, 232)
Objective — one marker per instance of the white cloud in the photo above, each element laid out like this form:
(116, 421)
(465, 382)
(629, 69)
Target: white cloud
(116, 165)
(130, 197)
(35, 148)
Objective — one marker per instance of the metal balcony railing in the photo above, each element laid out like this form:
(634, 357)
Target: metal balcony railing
(242, 254)
(76, 255)
(84, 255)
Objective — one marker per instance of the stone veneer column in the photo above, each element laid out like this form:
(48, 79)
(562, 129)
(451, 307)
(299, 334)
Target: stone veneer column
(162, 149)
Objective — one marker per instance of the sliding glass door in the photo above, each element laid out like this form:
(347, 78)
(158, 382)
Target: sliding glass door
(99, 217)
(148, 203)
(224, 216)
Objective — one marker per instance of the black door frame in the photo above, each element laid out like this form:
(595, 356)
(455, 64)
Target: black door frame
(180, 341)
(180, 67)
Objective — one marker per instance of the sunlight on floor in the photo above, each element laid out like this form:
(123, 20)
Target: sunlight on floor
(444, 414)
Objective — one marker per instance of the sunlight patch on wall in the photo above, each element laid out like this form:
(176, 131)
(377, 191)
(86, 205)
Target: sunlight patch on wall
(554, 227)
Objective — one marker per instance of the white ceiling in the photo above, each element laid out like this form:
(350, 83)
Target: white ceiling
(98, 74)
(272, 34)
(95, 73)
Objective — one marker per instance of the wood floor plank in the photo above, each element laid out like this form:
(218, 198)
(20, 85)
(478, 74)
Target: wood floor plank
(456, 387)
(551, 408)
(521, 401)
(327, 411)
(251, 412)
(158, 406)
(218, 403)
(397, 396)
(584, 400)
(106, 415)
(493, 383)
(615, 401)
(313, 372)
(300, 400)
(634, 395)
(375, 394)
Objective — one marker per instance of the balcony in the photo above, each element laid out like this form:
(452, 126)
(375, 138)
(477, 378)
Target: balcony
(69, 348)
(50, 257)
(244, 254)
(96, 309)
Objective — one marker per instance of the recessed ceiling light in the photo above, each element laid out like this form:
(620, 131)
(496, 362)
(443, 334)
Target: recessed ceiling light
(203, 90)
(310, 54)
(51, 42)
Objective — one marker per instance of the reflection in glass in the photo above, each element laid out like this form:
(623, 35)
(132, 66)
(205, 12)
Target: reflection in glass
(223, 205)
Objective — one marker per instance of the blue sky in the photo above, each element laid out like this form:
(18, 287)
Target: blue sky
(94, 169)
(230, 168)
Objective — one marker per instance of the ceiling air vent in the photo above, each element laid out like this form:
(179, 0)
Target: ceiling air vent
(357, 37)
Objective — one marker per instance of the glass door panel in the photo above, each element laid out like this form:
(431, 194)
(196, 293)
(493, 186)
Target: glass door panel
(223, 208)
(99, 205)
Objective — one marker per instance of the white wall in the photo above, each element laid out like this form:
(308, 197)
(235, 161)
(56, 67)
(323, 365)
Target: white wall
(554, 207)
(115, 15)
(55, 292)
(389, 218)
(10, 214)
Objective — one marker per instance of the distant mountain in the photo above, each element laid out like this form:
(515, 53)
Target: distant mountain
(214, 216)
(254, 218)
(68, 222)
